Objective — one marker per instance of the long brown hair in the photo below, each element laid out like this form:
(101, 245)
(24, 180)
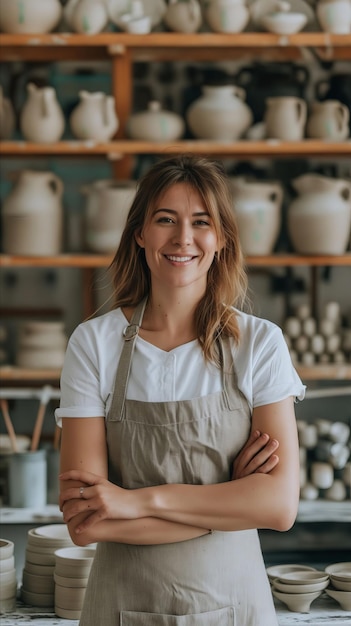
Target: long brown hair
(226, 279)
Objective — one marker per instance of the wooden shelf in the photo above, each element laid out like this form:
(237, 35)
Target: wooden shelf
(85, 260)
(324, 511)
(117, 149)
(333, 371)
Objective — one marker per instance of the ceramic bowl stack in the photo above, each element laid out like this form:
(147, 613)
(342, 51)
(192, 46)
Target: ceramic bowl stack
(340, 584)
(38, 585)
(298, 589)
(8, 582)
(71, 575)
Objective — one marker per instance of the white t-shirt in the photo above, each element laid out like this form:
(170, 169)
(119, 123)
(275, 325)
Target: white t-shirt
(264, 369)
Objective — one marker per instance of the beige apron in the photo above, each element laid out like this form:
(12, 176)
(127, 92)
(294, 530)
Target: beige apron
(215, 580)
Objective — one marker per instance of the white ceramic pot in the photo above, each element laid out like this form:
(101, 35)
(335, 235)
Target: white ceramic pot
(94, 118)
(334, 16)
(32, 215)
(328, 120)
(154, 9)
(7, 117)
(220, 114)
(227, 16)
(107, 206)
(29, 16)
(319, 219)
(41, 118)
(257, 206)
(183, 17)
(155, 124)
(285, 118)
(86, 16)
(41, 345)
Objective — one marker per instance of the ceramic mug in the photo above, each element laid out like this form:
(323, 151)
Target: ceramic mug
(322, 475)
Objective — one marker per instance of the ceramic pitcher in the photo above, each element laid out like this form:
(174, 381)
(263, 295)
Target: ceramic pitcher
(86, 16)
(42, 119)
(7, 117)
(183, 17)
(32, 215)
(285, 118)
(227, 16)
(29, 16)
(94, 117)
(334, 16)
(220, 113)
(319, 219)
(155, 124)
(257, 205)
(328, 120)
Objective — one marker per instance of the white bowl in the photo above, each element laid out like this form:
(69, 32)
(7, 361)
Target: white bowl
(342, 571)
(67, 613)
(342, 597)
(9, 576)
(297, 602)
(75, 556)
(56, 532)
(284, 23)
(275, 571)
(7, 564)
(40, 558)
(39, 570)
(38, 599)
(302, 577)
(7, 605)
(8, 590)
(37, 583)
(71, 599)
(302, 588)
(69, 581)
(6, 549)
(341, 585)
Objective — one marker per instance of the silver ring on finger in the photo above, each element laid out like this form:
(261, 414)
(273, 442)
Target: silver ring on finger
(81, 492)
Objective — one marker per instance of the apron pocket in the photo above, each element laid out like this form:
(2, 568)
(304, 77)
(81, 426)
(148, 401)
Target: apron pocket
(219, 617)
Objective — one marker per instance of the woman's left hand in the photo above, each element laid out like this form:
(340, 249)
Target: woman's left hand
(256, 456)
(99, 498)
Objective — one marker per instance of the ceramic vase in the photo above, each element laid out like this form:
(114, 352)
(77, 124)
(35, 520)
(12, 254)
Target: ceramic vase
(328, 120)
(42, 119)
(334, 16)
(29, 16)
(32, 215)
(257, 206)
(220, 113)
(94, 118)
(319, 219)
(155, 124)
(227, 16)
(183, 17)
(285, 118)
(7, 117)
(86, 16)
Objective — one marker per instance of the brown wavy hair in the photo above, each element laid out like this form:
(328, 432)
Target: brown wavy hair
(226, 279)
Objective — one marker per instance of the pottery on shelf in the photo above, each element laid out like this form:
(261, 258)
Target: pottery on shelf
(94, 118)
(336, 87)
(319, 219)
(282, 20)
(8, 582)
(219, 114)
(41, 118)
(32, 215)
(257, 206)
(153, 9)
(297, 602)
(334, 16)
(41, 345)
(342, 597)
(86, 16)
(135, 21)
(183, 17)
(227, 16)
(285, 118)
(29, 16)
(7, 117)
(328, 120)
(155, 124)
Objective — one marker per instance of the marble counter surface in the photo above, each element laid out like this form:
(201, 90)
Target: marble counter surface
(324, 612)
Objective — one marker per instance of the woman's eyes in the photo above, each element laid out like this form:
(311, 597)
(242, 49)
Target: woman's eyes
(170, 220)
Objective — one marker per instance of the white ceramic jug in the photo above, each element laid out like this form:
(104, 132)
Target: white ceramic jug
(29, 16)
(220, 113)
(334, 16)
(328, 120)
(154, 9)
(155, 124)
(183, 17)
(86, 16)
(32, 215)
(7, 117)
(41, 118)
(106, 209)
(94, 117)
(319, 219)
(285, 118)
(227, 16)
(257, 205)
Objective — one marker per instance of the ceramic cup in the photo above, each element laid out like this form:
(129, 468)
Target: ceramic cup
(322, 475)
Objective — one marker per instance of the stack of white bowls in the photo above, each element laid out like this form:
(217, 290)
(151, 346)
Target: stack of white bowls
(340, 587)
(71, 576)
(298, 589)
(38, 586)
(8, 582)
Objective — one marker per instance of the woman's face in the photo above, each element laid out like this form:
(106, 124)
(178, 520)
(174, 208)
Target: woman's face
(179, 240)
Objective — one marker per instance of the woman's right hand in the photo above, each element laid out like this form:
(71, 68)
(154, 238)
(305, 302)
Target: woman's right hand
(257, 455)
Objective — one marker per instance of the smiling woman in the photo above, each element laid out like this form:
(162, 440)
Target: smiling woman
(173, 407)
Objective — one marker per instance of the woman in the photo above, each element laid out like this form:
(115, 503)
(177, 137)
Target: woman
(172, 408)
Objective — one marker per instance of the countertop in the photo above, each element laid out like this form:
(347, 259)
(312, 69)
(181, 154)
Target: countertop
(324, 612)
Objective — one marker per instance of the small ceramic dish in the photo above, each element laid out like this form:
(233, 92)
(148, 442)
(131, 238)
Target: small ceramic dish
(342, 597)
(342, 571)
(275, 571)
(284, 23)
(303, 588)
(301, 577)
(297, 602)
(341, 585)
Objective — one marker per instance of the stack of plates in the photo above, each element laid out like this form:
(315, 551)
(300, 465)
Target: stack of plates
(71, 575)
(298, 589)
(8, 582)
(340, 588)
(38, 586)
